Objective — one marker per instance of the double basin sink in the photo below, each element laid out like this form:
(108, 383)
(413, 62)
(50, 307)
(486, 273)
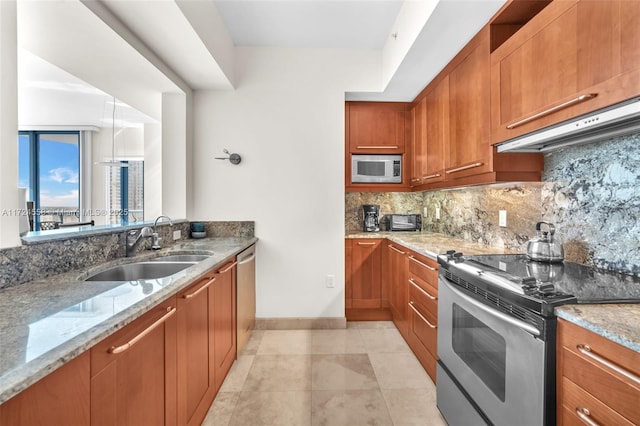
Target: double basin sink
(149, 269)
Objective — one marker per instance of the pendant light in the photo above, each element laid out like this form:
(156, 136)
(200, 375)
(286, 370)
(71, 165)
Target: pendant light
(113, 162)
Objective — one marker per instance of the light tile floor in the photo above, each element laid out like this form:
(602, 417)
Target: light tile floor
(362, 375)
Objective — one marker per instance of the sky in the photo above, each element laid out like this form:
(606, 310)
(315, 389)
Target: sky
(59, 172)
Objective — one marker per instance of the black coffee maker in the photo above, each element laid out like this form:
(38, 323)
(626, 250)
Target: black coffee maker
(371, 217)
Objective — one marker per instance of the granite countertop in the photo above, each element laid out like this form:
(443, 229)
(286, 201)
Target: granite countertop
(615, 322)
(46, 323)
(431, 244)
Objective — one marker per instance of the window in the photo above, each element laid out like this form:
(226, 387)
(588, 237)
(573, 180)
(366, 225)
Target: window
(125, 192)
(49, 166)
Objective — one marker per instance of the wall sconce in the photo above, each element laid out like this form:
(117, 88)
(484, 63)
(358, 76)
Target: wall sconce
(234, 158)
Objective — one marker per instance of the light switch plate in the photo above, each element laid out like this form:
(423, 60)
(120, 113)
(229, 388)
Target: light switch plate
(502, 218)
(177, 235)
(437, 213)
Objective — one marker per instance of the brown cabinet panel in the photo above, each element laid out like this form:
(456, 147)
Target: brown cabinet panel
(587, 360)
(576, 402)
(61, 398)
(397, 275)
(366, 269)
(570, 49)
(224, 295)
(377, 127)
(133, 371)
(437, 132)
(196, 373)
(418, 141)
(469, 149)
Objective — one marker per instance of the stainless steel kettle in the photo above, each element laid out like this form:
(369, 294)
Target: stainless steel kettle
(543, 248)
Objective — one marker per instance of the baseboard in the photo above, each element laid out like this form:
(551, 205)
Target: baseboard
(378, 314)
(300, 323)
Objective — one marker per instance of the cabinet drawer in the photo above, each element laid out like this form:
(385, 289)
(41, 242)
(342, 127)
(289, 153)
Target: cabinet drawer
(591, 361)
(578, 404)
(423, 327)
(424, 268)
(424, 296)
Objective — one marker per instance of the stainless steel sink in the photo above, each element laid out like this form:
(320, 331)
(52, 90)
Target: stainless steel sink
(194, 258)
(140, 271)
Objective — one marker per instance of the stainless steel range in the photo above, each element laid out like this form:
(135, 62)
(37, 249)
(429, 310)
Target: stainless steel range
(497, 333)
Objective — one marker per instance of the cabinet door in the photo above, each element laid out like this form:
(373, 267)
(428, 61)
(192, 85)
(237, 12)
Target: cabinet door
(570, 59)
(469, 149)
(133, 372)
(366, 268)
(437, 132)
(418, 141)
(61, 398)
(224, 289)
(377, 127)
(398, 287)
(196, 365)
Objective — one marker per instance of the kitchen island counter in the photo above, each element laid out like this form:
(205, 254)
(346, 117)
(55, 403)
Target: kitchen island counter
(46, 323)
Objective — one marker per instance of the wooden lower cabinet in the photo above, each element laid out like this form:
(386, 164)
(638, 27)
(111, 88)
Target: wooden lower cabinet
(366, 292)
(423, 310)
(61, 398)
(133, 371)
(224, 321)
(598, 380)
(196, 365)
(396, 273)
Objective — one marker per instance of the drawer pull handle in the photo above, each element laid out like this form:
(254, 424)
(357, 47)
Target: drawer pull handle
(432, 176)
(198, 291)
(420, 315)
(585, 415)
(422, 263)
(377, 147)
(587, 351)
(228, 268)
(467, 167)
(416, 180)
(122, 348)
(366, 244)
(425, 292)
(551, 110)
(393, 248)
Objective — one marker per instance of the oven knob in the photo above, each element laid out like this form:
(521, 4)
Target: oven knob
(450, 252)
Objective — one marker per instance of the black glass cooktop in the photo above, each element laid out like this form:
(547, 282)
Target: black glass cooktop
(587, 284)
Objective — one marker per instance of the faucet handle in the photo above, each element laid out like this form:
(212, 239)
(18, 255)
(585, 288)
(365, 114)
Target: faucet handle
(146, 232)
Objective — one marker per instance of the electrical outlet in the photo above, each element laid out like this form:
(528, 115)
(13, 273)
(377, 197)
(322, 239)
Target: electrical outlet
(177, 235)
(437, 213)
(330, 281)
(502, 218)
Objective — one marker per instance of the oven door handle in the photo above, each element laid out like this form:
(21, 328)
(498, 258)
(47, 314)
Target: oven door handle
(501, 316)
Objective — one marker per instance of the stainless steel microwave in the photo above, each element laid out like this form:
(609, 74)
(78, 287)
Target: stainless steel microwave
(376, 168)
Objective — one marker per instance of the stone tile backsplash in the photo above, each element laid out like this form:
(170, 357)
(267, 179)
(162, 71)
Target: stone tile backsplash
(39, 260)
(591, 193)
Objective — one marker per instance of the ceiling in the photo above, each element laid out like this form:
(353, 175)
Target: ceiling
(196, 39)
(350, 24)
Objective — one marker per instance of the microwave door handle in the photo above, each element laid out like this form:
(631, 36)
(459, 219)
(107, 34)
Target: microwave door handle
(493, 312)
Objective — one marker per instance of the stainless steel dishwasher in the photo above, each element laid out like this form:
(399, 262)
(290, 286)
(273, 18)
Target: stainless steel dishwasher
(246, 295)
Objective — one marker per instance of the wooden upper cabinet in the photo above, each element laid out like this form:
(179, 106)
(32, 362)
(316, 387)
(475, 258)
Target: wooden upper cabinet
(437, 131)
(469, 149)
(377, 127)
(572, 58)
(418, 141)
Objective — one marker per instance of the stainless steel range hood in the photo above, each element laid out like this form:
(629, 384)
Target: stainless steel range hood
(618, 120)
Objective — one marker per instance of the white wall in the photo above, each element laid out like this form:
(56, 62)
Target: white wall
(286, 119)
(8, 124)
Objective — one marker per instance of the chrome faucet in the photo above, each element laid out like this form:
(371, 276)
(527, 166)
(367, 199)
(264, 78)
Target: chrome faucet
(156, 240)
(134, 237)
